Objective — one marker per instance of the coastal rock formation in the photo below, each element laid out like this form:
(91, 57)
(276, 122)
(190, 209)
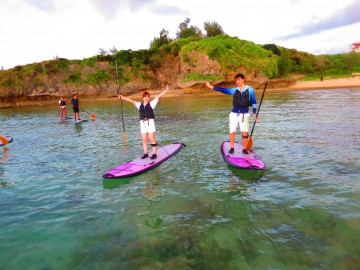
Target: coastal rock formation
(40, 82)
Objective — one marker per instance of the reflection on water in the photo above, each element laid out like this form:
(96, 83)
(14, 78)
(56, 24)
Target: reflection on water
(116, 183)
(246, 175)
(193, 211)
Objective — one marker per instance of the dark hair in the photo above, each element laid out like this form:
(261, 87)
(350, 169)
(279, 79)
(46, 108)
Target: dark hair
(239, 75)
(74, 95)
(145, 94)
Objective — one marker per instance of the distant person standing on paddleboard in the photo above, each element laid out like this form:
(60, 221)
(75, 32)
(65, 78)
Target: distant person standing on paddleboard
(147, 120)
(243, 98)
(62, 106)
(76, 107)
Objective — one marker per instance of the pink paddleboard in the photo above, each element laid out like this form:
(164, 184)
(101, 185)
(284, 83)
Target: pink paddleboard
(240, 160)
(138, 166)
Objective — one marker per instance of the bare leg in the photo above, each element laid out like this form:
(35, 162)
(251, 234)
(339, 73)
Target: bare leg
(144, 137)
(245, 140)
(232, 139)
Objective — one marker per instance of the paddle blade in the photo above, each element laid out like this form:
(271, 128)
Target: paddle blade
(92, 115)
(249, 144)
(4, 140)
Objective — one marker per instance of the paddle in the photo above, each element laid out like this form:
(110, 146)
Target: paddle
(3, 140)
(122, 112)
(250, 142)
(91, 114)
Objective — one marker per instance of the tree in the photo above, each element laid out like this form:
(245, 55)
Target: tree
(213, 29)
(273, 48)
(113, 50)
(320, 63)
(184, 24)
(351, 60)
(156, 43)
(103, 52)
(188, 31)
(284, 64)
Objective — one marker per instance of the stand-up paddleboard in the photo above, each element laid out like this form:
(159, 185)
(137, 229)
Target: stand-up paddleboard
(81, 121)
(8, 138)
(138, 166)
(70, 119)
(240, 160)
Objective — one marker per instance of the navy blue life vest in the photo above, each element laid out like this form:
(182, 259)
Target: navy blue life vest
(146, 112)
(75, 102)
(62, 103)
(241, 99)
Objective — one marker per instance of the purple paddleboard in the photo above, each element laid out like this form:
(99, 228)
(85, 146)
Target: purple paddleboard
(138, 166)
(9, 138)
(240, 160)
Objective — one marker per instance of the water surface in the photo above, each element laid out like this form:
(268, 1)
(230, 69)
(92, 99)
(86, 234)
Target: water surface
(193, 211)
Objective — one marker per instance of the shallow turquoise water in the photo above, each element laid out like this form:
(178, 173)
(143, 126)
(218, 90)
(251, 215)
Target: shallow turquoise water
(193, 211)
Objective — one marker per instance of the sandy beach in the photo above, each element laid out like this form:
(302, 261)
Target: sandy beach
(332, 83)
(308, 85)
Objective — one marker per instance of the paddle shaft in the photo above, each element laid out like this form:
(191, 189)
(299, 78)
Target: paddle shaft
(258, 111)
(91, 114)
(118, 92)
(84, 110)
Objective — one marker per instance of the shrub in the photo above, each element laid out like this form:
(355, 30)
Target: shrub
(73, 78)
(195, 76)
(97, 77)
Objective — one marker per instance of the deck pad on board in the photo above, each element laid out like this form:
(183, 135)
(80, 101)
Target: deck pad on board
(240, 160)
(138, 165)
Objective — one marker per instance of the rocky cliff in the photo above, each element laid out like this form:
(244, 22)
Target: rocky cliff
(39, 82)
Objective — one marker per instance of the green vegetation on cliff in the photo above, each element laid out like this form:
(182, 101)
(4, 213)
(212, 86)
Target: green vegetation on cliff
(233, 54)
(192, 56)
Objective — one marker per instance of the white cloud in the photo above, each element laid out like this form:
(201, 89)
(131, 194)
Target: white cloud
(35, 31)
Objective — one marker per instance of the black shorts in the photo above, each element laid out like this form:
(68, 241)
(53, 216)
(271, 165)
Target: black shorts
(76, 109)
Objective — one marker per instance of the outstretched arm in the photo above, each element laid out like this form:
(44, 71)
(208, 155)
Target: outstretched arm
(227, 91)
(127, 99)
(209, 85)
(163, 92)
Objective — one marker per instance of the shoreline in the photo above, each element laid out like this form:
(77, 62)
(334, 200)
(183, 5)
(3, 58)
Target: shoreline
(298, 86)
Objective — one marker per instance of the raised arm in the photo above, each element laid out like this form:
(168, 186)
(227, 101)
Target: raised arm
(128, 100)
(163, 92)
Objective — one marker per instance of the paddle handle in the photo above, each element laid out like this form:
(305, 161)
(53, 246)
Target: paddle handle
(118, 92)
(258, 111)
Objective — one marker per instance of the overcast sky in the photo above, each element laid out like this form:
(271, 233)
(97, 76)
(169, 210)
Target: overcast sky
(38, 30)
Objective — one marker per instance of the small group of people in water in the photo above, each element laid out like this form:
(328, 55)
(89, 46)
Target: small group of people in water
(243, 98)
(76, 107)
